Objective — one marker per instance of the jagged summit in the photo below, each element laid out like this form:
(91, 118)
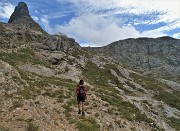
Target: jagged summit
(20, 11)
(22, 18)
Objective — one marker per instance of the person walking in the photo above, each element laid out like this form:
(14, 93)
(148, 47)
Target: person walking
(81, 96)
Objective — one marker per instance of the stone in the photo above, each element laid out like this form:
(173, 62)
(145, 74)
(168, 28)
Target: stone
(160, 55)
(20, 11)
(22, 19)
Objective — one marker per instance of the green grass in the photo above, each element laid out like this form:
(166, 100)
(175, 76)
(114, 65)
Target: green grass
(149, 83)
(95, 75)
(68, 108)
(175, 123)
(38, 83)
(157, 129)
(126, 109)
(99, 78)
(2, 29)
(23, 55)
(25, 93)
(18, 80)
(32, 127)
(42, 81)
(79, 52)
(97, 114)
(17, 104)
(87, 124)
(2, 128)
(172, 99)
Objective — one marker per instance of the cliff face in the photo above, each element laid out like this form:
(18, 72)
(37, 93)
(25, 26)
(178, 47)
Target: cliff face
(21, 18)
(21, 12)
(160, 54)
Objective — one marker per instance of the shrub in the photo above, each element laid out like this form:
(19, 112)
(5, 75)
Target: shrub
(2, 128)
(87, 124)
(32, 127)
(172, 99)
(97, 114)
(17, 104)
(175, 123)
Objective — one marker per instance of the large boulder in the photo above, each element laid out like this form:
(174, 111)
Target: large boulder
(7, 76)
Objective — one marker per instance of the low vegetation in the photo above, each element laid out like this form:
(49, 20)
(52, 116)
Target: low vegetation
(32, 127)
(99, 78)
(23, 55)
(17, 104)
(172, 99)
(175, 123)
(2, 128)
(87, 124)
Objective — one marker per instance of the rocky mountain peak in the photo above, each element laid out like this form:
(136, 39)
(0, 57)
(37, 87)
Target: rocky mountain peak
(20, 11)
(21, 18)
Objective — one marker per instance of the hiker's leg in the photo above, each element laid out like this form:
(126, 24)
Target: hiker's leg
(79, 112)
(79, 105)
(83, 109)
(82, 106)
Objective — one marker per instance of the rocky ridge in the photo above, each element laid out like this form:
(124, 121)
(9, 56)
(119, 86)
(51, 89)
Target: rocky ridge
(158, 56)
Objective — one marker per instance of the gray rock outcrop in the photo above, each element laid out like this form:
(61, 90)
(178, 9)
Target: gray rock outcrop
(7, 76)
(160, 54)
(21, 11)
(21, 17)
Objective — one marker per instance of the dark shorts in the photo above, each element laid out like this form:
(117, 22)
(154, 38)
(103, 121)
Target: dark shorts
(80, 99)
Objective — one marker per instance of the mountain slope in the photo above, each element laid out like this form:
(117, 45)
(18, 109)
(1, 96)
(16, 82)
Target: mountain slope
(39, 73)
(160, 56)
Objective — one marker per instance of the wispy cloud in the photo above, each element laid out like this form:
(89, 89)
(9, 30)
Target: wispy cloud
(45, 22)
(6, 9)
(97, 29)
(57, 14)
(102, 22)
(35, 18)
(177, 35)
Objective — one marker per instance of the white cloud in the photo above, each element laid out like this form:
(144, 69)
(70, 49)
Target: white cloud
(88, 45)
(96, 29)
(153, 34)
(57, 14)
(177, 35)
(6, 9)
(169, 8)
(99, 22)
(35, 18)
(36, 11)
(44, 21)
(166, 11)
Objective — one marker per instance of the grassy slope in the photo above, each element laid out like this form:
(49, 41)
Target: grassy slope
(172, 99)
(96, 77)
(99, 78)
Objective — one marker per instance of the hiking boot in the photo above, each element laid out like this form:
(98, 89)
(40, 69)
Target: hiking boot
(79, 112)
(83, 113)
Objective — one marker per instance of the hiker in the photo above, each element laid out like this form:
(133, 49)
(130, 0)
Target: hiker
(81, 96)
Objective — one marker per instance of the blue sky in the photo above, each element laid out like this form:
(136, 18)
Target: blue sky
(100, 22)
